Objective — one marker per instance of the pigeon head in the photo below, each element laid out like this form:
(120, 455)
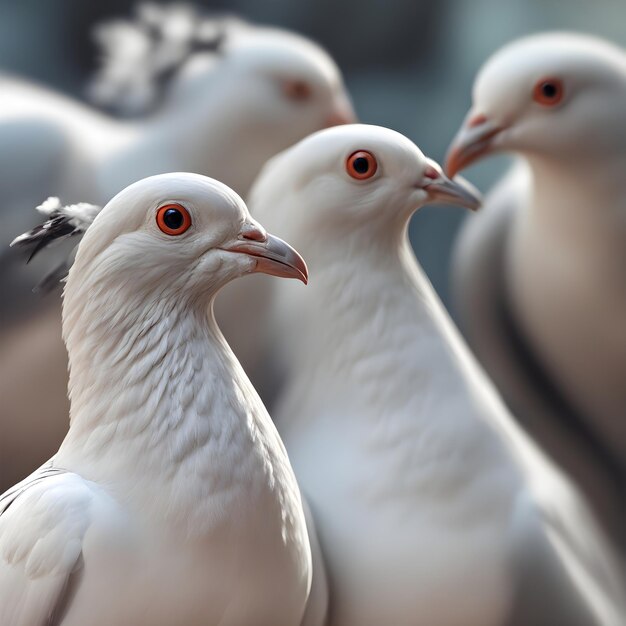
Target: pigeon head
(279, 86)
(351, 178)
(553, 95)
(171, 54)
(180, 236)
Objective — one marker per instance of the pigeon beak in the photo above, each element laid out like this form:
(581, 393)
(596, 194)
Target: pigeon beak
(273, 256)
(443, 190)
(474, 140)
(342, 113)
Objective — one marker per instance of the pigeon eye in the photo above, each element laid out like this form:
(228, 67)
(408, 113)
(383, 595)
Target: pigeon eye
(297, 90)
(173, 219)
(361, 165)
(548, 91)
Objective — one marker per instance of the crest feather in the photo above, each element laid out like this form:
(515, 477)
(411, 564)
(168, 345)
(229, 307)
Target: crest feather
(140, 56)
(62, 221)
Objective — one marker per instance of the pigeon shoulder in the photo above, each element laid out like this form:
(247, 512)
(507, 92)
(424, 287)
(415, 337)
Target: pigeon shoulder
(30, 100)
(41, 119)
(44, 522)
(31, 148)
(36, 150)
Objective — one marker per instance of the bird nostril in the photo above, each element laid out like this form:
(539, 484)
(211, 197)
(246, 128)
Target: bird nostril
(476, 120)
(432, 173)
(254, 233)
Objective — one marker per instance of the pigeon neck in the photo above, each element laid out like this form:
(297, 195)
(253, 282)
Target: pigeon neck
(382, 364)
(381, 361)
(568, 194)
(364, 310)
(154, 390)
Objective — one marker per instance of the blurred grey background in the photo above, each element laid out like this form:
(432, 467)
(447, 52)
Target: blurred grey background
(409, 64)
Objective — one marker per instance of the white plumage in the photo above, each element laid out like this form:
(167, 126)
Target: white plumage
(222, 114)
(432, 507)
(545, 261)
(80, 215)
(171, 500)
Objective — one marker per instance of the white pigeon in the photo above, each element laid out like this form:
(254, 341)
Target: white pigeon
(431, 506)
(225, 106)
(171, 500)
(223, 113)
(539, 274)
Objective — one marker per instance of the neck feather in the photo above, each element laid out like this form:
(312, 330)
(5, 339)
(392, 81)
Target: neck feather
(153, 385)
(163, 414)
(365, 312)
(381, 356)
(583, 196)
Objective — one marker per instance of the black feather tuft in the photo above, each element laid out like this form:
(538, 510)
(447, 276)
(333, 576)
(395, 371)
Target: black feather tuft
(57, 227)
(61, 222)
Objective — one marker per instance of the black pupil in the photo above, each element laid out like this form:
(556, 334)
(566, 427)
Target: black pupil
(173, 219)
(549, 90)
(361, 165)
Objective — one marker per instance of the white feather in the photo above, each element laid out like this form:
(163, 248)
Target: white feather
(49, 205)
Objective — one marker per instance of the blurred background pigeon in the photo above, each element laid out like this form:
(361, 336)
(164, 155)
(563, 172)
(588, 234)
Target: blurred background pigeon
(422, 486)
(539, 276)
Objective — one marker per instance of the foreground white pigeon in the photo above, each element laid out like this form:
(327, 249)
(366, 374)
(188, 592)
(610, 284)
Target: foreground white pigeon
(171, 500)
(223, 111)
(431, 506)
(539, 275)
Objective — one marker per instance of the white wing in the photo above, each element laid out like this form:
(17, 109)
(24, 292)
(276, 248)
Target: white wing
(43, 521)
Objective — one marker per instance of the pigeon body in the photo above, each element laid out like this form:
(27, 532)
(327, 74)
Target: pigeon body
(557, 227)
(222, 114)
(432, 507)
(171, 500)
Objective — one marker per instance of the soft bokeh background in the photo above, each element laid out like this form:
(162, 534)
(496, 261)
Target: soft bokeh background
(408, 63)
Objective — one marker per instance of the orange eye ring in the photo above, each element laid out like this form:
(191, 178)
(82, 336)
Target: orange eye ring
(548, 91)
(173, 219)
(297, 90)
(361, 165)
